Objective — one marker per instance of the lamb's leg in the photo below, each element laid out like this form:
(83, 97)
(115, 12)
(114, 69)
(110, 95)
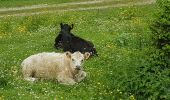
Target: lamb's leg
(29, 75)
(80, 76)
(58, 43)
(31, 79)
(65, 80)
(68, 81)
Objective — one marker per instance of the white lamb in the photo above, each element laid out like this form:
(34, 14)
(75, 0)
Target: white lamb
(66, 67)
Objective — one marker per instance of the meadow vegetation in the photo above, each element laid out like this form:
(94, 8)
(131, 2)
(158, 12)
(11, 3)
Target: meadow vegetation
(122, 70)
(57, 6)
(17, 3)
(20, 3)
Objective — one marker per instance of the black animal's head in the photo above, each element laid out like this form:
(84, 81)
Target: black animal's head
(65, 28)
(64, 35)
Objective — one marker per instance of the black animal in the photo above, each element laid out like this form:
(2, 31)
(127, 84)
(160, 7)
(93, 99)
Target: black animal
(69, 42)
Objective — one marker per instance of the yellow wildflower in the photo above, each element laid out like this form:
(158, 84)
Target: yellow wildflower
(22, 29)
(132, 97)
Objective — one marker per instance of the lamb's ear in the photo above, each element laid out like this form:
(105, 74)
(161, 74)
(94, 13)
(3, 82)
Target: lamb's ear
(86, 55)
(72, 25)
(68, 54)
(61, 25)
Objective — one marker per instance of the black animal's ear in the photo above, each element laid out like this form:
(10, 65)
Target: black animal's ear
(72, 26)
(68, 54)
(86, 55)
(61, 25)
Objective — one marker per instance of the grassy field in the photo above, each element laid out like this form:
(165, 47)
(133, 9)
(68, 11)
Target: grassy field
(122, 39)
(61, 6)
(17, 3)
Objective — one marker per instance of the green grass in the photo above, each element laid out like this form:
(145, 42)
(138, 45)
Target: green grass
(66, 7)
(14, 3)
(121, 36)
(17, 3)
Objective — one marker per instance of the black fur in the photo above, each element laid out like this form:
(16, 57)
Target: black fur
(69, 42)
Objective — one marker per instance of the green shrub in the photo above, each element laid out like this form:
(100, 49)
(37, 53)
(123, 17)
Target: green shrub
(152, 80)
(161, 26)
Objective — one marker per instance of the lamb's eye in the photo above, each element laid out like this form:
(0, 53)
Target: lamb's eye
(72, 59)
(82, 60)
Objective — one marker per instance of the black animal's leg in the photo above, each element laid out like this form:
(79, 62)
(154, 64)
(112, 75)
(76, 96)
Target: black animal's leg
(66, 46)
(58, 42)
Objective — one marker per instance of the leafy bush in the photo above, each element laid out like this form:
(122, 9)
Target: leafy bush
(152, 78)
(161, 33)
(161, 26)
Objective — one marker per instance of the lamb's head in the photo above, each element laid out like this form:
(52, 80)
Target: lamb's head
(66, 28)
(77, 59)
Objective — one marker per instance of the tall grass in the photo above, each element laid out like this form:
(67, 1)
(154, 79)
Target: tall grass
(14, 3)
(18, 3)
